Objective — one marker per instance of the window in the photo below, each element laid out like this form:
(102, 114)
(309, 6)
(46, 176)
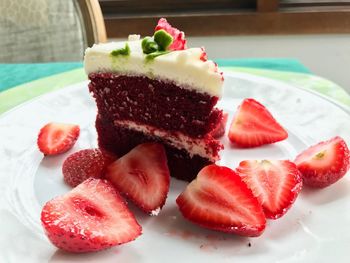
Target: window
(228, 17)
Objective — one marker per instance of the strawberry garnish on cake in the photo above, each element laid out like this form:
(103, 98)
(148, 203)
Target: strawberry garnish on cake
(55, 138)
(276, 184)
(204, 56)
(253, 125)
(143, 176)
(218, 199)
(179, 41)
(84, 164)
(325, 163)
(91, 217)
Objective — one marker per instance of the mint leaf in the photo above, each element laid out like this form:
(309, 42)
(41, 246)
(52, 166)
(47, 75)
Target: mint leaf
(163, 39)
(149, 45)
(121, 51)
(155, 54)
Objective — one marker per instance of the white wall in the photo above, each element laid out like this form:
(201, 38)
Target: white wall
(325, 55)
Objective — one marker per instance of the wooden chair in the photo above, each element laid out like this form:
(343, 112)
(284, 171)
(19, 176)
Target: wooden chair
(49, 30)
(94, 25)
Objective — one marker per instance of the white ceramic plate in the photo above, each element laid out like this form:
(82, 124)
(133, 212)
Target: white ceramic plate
(316, 229)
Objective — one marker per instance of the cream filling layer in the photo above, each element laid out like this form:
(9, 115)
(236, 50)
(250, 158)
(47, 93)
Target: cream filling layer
(183, 67)
(177, 140)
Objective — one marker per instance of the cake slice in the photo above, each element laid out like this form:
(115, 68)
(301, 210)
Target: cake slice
(156, 90)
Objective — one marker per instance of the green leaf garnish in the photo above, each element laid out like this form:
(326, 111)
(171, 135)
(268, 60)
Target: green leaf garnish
(149, 45)
(163, 39)
(125, 51)
(155, 54)
(157, 45)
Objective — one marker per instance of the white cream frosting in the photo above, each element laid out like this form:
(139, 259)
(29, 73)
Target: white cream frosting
(179, 141)
(183, 67)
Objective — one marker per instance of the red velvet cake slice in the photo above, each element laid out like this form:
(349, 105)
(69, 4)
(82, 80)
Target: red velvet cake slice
(155, 90)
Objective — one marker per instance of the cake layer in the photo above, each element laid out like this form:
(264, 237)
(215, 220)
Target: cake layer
(185, 67)
(206, 147)
(120, 141)
(157, 103)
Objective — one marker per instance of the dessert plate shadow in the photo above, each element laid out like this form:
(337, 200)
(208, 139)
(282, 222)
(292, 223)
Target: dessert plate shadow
(316, 229)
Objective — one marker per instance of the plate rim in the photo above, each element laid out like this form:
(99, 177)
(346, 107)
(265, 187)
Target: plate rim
(277, 82)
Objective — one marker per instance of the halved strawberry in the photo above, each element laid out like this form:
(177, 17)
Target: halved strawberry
(276, 184)
(179, 41)
(143, 176)
(253, 125)
(56, 138)
(324, 163)
(84, 164)
(91, 217)
(218, 199)
(219, 131)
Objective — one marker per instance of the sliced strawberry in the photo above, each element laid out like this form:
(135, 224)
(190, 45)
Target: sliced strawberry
(218, 199)
(219, 131)
(84, 164)
(56, 138)
(253, 125)
(276, 184)
(324, 163)
(90, 217)
(179, 41)
(143, 176)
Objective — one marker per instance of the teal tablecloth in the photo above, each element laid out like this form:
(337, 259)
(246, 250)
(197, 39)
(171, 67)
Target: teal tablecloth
(279, 64)
(21, 82)
(15, 74)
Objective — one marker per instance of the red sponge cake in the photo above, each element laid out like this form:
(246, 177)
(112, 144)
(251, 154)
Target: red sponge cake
(155, 89)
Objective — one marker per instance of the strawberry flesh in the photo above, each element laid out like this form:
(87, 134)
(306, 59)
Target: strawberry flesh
(276, 184)
(143, 176)
(91, 217)
(56, 138)
(253, 125)
(179, 41)
(324, 163)
(84, 164)
(218, 199)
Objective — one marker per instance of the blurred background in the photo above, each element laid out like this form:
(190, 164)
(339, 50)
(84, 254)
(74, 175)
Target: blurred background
(316, 32)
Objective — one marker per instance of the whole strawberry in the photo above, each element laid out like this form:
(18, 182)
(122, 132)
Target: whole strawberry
(324, 163)
(84, 164)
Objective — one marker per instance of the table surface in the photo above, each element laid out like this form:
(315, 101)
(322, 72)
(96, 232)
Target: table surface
(21, 82)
